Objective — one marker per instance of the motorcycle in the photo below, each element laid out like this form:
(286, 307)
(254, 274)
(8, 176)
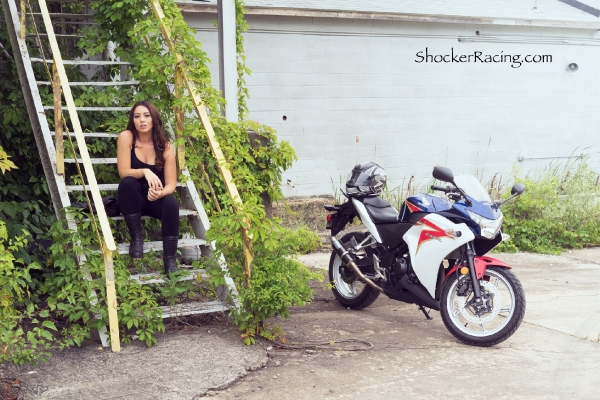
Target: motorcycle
(431, 253)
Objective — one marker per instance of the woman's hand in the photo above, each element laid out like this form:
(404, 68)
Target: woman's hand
(153, 181)
(154, 194)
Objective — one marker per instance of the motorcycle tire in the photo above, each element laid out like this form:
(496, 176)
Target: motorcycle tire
(355, 294)
(504, 314)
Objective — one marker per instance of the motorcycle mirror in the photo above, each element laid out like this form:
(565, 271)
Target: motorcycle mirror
(517, 189)
(443, 174)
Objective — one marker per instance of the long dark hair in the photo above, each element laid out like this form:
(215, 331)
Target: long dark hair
(158, 134)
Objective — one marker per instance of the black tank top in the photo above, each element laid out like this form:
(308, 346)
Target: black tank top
(137, 164)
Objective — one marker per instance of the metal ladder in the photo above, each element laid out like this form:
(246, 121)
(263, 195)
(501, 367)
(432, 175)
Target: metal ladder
(51, 151)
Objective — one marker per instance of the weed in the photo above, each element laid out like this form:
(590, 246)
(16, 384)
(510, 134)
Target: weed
(559, 210)
(174, 286)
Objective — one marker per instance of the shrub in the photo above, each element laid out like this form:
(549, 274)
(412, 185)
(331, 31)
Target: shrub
(559, 210)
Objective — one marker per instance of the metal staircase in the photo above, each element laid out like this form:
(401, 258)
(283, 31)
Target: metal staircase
(51, 148)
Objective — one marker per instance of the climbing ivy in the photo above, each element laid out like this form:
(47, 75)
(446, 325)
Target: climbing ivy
(241, 26)
(46, 301)
(24, 194)
(256, 161)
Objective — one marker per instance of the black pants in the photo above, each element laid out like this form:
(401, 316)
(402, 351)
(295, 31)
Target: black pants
(132, 201)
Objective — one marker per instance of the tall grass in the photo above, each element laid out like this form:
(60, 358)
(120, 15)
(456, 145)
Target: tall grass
(394, 193)
(559, 210)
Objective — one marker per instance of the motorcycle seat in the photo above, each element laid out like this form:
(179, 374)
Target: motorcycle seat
(381, 211)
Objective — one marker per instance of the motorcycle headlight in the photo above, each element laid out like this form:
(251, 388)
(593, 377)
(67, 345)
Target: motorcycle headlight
(489, 227)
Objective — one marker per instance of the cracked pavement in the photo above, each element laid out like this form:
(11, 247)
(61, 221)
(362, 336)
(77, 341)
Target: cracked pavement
(554, 354)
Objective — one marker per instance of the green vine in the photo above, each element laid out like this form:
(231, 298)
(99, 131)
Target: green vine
(256, 160)
(241, 26)
(56, 306)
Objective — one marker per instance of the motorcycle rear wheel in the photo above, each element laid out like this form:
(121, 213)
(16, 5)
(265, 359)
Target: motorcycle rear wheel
(507, 309)
(355, 294)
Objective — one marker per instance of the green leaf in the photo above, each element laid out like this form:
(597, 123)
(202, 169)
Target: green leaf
(45, 334)
(49, 325)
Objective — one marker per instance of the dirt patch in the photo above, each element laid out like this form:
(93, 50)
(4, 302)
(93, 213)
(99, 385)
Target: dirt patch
(309, 211)
(10, 388)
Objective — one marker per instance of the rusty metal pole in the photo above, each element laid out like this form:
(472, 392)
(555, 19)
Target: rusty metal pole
(22, 20)
(179, 124)
(58, 122)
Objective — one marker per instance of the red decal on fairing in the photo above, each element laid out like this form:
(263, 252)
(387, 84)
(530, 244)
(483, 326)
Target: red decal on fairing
(491, 261)
(481, 264)
(430, 231)
(412, 207)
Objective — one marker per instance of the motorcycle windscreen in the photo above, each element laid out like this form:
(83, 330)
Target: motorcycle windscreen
(429, 241)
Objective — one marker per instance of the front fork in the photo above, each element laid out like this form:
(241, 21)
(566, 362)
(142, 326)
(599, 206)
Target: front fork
(473, 273)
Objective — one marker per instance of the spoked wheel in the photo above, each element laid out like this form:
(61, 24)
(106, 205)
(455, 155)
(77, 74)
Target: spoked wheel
(491, 323)
(348, 289)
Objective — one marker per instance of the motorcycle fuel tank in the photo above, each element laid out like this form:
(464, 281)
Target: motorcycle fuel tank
(423, 203)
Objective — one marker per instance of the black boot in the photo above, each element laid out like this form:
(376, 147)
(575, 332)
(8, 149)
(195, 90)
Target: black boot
(134, 224)
(169, 254)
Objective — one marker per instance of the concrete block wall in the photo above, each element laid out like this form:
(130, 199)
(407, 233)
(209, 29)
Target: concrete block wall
(350, 90)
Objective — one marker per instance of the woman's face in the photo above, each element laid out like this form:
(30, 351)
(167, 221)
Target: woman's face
(142, 119)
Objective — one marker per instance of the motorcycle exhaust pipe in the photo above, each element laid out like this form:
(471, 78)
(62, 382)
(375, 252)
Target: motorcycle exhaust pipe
(341, 251)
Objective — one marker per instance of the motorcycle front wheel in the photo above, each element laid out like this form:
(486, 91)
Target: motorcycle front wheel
(347, 288)
(497, 321)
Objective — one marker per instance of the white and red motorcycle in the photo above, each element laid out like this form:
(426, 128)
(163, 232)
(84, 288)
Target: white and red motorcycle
(432, 253)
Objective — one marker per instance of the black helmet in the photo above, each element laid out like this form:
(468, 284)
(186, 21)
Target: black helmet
(367, 179)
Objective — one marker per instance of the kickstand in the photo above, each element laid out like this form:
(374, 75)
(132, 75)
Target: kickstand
(425, 312)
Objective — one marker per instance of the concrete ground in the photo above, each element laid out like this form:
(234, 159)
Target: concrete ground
(555, 353)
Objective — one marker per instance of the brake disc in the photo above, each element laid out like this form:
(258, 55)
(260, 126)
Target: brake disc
(488, 288)
(347, 275)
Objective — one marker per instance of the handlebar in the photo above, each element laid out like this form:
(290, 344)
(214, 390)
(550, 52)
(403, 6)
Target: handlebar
(455, 193)
(442, 189)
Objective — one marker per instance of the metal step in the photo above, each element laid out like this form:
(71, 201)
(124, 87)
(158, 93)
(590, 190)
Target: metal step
(182, 214)
(92, 160)
(179, 310)
(91, 134)
(91, 108)
(65, 15)
(157, 246)
(156, 277)
(114, 83)
(83, 62)
(58, 35)
(108, 187)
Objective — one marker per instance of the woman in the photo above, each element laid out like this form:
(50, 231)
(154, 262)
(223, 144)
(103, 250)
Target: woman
(146, 164)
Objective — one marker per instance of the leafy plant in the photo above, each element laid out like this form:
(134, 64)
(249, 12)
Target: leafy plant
(17, 344)
(174, 287)
(559, 210)
(5, 163)
(72, 299)
(254, 155)
(278, 279)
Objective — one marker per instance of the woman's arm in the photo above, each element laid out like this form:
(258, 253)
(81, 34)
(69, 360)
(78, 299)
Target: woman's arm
(170, 176)
(124, 144)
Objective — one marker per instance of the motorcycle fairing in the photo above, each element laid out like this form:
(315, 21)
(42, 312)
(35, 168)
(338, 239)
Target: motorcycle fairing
(481, 264)
(429, 241)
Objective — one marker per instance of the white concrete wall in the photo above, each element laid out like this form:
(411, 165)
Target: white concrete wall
(352, 91)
